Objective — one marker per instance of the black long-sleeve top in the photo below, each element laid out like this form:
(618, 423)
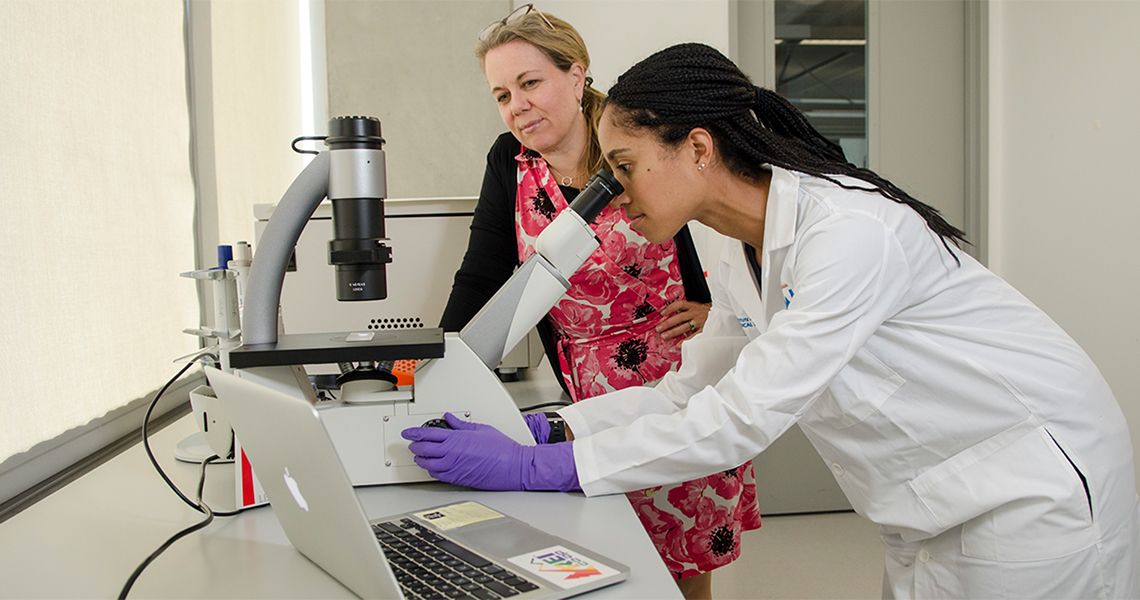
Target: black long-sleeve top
(492, 249)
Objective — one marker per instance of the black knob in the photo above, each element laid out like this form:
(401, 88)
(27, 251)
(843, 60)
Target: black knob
(354, 132)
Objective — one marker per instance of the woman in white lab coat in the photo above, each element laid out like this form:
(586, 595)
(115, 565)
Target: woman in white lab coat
(953, 412)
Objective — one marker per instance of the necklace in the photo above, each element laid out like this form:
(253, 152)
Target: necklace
(562, 179)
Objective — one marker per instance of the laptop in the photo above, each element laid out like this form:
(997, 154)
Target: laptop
(458, 550)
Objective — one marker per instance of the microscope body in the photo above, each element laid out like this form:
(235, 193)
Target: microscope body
(365, 431)
(455, 372)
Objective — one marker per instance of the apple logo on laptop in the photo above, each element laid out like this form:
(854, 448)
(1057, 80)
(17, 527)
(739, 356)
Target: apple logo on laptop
(295, 490)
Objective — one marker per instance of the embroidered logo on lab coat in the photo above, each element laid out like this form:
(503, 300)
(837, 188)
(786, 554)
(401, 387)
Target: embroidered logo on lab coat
(745, 322)
(789, 293)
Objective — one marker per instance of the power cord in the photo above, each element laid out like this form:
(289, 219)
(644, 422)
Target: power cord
(201, 506)
(146, 432)
(196, 504)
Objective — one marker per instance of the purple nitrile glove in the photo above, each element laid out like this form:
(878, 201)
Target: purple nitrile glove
(481, 457)
(539, 426)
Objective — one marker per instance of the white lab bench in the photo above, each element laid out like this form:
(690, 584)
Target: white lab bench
(84, 540)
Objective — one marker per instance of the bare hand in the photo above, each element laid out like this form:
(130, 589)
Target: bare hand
(683, 318)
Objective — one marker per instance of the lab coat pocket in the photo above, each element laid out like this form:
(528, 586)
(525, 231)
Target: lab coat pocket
(857, 391)
(1016, 495)
(1055, 521)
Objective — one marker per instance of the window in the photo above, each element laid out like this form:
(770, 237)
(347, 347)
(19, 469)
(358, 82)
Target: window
(821, 67)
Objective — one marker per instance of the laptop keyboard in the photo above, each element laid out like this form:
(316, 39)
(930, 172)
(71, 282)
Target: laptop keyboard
(432, 567)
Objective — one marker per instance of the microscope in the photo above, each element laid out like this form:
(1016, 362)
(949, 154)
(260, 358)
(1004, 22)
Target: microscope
(454, 372)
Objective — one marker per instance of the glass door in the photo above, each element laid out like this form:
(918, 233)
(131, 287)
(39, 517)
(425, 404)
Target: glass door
(821, 58)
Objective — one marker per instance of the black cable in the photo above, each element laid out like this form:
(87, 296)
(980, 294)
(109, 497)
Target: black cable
(197, 505)
(146, 434)
(150, 453)
(200, 506)
(544, 405)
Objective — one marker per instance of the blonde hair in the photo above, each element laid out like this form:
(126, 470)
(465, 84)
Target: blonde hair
(564, 47)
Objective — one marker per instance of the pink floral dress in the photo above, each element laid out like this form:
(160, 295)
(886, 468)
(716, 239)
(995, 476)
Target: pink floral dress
(606, 339)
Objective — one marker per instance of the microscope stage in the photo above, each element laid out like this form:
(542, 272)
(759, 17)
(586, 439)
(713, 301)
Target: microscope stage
(319, 348)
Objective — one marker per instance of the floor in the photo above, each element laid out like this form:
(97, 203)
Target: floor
(836, 555)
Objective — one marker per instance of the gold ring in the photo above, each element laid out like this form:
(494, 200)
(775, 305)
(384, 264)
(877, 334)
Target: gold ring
(692, 326)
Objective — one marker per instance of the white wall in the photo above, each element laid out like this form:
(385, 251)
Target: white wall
(915, 103)
(412, 64)
(1064, 208)
(619, 33)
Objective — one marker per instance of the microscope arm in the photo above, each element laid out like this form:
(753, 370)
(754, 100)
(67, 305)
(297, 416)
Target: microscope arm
(267, 273)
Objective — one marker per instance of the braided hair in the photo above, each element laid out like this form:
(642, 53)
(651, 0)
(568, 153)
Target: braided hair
(694, 85)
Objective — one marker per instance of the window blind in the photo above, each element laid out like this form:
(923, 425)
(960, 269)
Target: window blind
(96, 210)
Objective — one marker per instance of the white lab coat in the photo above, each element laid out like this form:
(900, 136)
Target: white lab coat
(945, 403)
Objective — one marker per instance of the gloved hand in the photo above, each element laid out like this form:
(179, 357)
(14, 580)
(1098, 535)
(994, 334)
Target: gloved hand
(481, 457)
(539, 426)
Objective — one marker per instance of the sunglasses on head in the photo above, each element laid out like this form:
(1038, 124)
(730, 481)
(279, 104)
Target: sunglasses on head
(515, 16)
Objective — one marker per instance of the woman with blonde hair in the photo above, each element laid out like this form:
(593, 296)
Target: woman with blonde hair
(630, 305)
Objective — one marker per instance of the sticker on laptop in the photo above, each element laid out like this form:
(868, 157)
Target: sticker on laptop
(457, 515)
(562, 567)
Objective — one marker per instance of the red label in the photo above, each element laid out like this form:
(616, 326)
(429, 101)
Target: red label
(246, 480)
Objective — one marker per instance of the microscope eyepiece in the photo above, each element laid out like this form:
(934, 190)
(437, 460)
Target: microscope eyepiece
(354, 132)
(600, 191)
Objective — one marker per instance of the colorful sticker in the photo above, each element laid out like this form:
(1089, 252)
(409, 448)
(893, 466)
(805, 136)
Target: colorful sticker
(457, 515)
(563, 567)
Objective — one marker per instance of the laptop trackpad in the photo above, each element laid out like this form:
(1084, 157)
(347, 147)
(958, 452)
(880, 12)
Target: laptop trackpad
(503, 538)
(539, 555)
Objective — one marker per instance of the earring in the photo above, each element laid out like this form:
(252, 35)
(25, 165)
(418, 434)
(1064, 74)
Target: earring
(701, 167)
(581, 106)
